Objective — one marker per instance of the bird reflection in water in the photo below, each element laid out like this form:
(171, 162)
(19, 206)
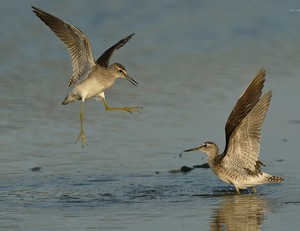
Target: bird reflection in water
(236, 213)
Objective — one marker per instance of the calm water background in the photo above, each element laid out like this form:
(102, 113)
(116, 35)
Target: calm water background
(193, 59)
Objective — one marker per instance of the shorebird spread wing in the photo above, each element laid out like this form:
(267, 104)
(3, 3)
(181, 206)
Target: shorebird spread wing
(244, 143)
(245, 104)
(103, 60)
(76, 42)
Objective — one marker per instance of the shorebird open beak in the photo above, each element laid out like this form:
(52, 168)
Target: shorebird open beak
(131, 80)
(189, 150)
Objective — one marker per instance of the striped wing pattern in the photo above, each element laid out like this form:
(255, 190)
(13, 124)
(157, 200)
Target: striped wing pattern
(76, 42)
(245, 104)
(244, 144)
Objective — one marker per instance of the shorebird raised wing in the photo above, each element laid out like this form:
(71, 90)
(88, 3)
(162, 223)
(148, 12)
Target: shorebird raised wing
(244, 143)
(245, 104)
(103, 60)
(76, 42)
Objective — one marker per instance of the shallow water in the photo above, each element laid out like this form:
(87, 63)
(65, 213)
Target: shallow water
(192, 62)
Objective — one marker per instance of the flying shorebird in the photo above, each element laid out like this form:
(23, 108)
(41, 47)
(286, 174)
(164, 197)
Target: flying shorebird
(89, 79)
(239, 164)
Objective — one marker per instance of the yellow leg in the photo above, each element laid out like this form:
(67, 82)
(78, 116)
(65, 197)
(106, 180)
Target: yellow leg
(253, 189)
(81, 134)
(128, 109)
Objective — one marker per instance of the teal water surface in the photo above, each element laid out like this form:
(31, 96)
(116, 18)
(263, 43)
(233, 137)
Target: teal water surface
(192, 60)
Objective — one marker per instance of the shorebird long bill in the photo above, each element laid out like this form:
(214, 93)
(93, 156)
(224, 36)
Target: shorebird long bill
(192, 149)
(131, 80)
(189, 150)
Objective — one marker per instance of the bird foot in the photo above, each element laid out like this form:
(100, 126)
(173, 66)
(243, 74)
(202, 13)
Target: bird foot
(82, 137)
(133, 109)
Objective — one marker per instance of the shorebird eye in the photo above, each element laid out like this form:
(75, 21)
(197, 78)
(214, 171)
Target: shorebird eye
(121, 70)
(205, 145)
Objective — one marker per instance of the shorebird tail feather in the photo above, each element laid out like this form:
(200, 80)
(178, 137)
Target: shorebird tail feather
(68, 99)
(274, 179)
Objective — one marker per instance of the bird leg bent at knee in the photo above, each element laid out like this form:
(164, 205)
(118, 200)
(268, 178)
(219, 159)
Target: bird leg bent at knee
(128, 109)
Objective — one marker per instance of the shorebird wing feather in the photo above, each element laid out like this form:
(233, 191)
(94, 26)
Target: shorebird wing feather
(245, 104)
(103, 60)
(244, 144)
(76, 42)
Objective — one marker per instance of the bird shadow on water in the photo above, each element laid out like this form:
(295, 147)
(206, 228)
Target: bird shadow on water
(244, 211)
(239, 212)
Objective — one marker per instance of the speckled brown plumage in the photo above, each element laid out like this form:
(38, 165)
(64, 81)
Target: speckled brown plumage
(239, 164)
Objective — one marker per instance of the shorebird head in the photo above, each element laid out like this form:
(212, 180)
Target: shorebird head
(120, 72)
(208, 147)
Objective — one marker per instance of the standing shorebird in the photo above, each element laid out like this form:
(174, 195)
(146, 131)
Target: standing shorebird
(239, 164)
(89, 79)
